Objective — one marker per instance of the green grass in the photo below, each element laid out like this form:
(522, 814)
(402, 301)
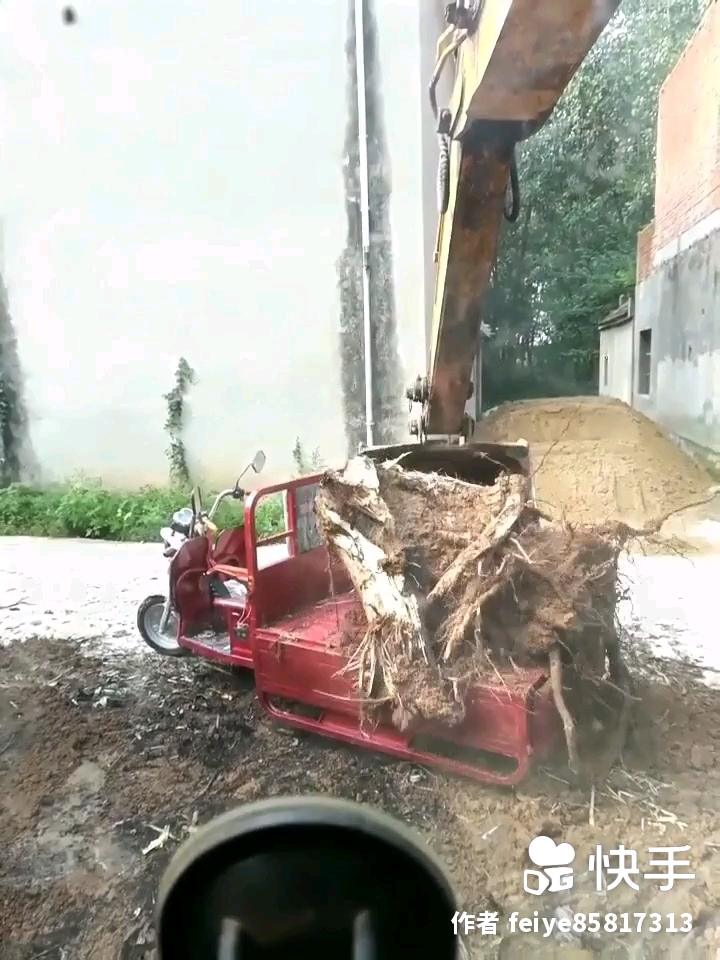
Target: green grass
(87, 509)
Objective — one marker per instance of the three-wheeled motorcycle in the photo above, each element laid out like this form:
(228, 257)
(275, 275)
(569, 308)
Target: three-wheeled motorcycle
(283, 607)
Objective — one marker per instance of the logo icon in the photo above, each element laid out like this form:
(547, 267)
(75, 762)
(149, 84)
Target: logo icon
(554, 859)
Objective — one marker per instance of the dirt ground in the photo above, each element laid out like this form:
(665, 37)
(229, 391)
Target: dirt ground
(99, 755)
(96, 754)
(103, 745)
(596, 458)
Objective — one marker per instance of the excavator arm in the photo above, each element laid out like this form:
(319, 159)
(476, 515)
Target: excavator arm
(513, 59)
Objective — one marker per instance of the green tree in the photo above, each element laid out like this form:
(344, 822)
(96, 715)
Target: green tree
(587, 181)
(305, 465)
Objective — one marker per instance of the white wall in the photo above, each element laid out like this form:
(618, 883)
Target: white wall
(616, 344)
(170, 184)
(432, 25)
(403, 88)
(680, 303)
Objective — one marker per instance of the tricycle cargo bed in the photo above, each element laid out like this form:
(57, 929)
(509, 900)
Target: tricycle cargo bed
(302, 678)
(329, 624)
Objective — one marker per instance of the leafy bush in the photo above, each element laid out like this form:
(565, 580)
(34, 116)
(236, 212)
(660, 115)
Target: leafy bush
(305, 465)
(87, 509)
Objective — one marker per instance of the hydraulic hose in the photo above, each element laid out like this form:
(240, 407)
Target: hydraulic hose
(513, 212)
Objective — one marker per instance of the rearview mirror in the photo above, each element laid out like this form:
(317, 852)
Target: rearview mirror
(256, 465)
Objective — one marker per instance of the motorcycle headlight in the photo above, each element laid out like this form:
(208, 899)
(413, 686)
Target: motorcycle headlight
(183, 517)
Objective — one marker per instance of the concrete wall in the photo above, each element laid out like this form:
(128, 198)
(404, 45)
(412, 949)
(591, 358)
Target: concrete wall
(171, 184)
(414, 26)
(616, 344)
(678, 254)
(680, 304)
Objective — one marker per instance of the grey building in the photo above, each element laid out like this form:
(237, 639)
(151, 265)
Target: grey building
(674, 352)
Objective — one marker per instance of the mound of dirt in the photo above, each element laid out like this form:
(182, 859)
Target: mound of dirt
(596, 459)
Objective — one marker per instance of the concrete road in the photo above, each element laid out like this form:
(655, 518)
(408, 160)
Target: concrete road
(83, 589)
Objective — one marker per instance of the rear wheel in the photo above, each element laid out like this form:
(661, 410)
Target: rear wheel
(149, 617)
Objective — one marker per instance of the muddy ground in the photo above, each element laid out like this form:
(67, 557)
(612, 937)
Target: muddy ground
(98, 755)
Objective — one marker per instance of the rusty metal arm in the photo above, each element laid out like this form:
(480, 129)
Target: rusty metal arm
(513, 60)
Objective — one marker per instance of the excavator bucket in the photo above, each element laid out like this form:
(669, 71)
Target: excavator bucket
(475, 461)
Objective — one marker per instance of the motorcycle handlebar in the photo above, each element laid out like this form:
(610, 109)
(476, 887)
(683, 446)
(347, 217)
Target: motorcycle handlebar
(218, 500)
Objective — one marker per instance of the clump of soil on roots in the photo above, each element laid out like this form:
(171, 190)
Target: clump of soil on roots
(464, 584)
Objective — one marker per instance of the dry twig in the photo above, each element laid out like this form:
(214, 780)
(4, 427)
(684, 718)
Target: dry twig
(568, 722)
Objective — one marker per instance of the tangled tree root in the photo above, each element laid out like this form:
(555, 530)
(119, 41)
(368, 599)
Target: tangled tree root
(460, 582)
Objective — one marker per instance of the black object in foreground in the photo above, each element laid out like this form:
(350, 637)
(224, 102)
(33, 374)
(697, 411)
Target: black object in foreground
(305, 876)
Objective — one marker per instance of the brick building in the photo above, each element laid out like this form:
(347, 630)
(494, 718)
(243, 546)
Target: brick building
(675, 347)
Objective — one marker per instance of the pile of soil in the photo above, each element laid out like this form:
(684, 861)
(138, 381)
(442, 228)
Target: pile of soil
(460, 581)
(597, 459)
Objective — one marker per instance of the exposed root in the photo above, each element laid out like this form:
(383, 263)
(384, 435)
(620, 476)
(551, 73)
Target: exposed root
(463, 583)
(496, 531)
(556, 681)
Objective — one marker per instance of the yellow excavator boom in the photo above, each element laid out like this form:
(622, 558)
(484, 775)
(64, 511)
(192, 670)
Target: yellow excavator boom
(512, 60)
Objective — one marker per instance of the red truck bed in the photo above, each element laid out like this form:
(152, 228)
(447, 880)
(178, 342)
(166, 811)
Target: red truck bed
(301, 660)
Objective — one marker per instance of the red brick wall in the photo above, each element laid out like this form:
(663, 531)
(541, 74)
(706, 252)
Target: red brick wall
(645, 252)
(687, 185)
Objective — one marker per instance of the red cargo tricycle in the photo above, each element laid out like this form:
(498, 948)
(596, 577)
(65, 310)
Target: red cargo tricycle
(282, 607)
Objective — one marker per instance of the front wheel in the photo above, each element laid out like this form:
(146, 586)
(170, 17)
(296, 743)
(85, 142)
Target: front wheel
(149, 618)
